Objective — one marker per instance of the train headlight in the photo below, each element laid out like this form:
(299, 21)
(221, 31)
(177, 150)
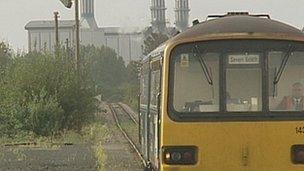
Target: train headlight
(176, 156)
(297, 154)
(181, 155)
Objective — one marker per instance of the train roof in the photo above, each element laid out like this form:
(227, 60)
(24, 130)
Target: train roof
(240, 24)
(231, 25)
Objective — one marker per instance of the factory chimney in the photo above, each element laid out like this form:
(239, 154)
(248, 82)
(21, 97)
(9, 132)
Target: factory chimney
(181, 14)
(87, 14)
(158, 15)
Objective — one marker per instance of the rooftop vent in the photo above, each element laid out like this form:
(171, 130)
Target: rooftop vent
(238, 13)
(196, 21)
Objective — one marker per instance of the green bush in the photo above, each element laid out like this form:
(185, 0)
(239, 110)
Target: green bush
(44, 94)
(45, 114)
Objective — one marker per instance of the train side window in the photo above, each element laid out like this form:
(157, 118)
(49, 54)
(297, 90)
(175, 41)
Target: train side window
(144, 88)
(155, 84)
(286, 91)
(155, 81)
(153, 111)
(244, 82)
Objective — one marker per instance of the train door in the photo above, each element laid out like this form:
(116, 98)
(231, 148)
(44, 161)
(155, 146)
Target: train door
(143, 108)
(153, 117)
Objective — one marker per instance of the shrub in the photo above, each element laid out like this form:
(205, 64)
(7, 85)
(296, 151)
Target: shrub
(45, 114)
(45, 94)
(41, 93)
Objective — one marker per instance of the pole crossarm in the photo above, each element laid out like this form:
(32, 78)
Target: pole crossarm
(67, 3)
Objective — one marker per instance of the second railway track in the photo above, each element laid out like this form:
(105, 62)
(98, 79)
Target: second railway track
(127, 124)
(132, 117)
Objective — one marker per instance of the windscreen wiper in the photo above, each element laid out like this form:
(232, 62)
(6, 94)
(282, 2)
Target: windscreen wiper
(282, 67)
(203, 64)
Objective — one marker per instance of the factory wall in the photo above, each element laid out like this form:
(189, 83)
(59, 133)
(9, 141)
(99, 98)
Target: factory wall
(126, 45)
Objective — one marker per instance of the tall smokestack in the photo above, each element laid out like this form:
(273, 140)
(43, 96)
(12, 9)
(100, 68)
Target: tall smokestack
(158, 15)
(181, 14)
(87, 14)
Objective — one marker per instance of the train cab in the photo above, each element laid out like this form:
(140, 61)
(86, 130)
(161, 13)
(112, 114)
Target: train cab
(226, 94)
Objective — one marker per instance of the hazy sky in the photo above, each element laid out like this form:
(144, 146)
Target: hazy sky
(14, 14)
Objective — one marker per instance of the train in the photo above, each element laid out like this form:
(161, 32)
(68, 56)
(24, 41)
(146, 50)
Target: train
(225, 94)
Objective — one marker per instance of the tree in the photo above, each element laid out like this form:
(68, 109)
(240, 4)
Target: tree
(5, 56)
(133, 71)
(108, 71)
(5, 53)
(131, 87)
(152, 41)
(40, 94)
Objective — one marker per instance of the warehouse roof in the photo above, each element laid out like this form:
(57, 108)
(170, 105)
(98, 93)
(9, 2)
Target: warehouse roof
(49, 24)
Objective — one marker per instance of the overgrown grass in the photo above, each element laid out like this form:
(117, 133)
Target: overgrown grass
(94, 134)
(97, 134)
(101, 156)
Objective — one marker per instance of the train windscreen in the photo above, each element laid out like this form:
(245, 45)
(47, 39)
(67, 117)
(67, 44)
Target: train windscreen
(286, 80)
(244, 76)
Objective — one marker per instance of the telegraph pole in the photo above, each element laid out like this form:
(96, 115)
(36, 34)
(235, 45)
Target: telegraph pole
(68, 4)
(56, 34)
(77, 49)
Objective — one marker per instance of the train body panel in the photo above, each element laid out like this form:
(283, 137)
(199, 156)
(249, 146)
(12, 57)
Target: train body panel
(236, 146)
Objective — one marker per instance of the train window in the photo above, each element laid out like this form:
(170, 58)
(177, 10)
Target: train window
(286, 80)
(243, 82)
(196, 82)
(155, 81)
(144, 87)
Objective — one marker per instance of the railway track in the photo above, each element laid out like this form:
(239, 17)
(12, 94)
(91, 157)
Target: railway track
(117, 110)
(129, 114)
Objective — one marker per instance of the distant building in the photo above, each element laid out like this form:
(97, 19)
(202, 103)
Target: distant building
(41, 34)
(158, 15)
(87, 14)
(125, 41)
(182, 14)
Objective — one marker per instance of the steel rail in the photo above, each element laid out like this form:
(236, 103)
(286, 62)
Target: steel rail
(129, 114)
(127, 137)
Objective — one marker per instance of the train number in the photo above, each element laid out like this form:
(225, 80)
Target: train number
(300, 130)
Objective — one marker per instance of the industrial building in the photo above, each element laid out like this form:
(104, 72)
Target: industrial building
(125, 41)
(158, 16)
(41, 34)
(182, 14)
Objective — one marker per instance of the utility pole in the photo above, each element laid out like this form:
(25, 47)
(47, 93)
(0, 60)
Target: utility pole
(68, 4)
(56, 34)
(67, 48)
(77, 49)
(67, 44)
(130, 48)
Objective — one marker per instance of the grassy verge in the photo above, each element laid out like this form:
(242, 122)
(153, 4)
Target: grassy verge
(95, 134)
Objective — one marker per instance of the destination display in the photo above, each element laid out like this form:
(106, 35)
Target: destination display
(244, 59)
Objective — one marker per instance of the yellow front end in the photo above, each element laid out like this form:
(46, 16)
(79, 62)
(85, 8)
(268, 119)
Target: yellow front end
(235, 146)
(240, 145)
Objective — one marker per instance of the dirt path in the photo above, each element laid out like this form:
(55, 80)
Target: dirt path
(68, 158)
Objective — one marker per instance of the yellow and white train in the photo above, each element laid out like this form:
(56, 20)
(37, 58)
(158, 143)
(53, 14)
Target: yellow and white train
(226, 94)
